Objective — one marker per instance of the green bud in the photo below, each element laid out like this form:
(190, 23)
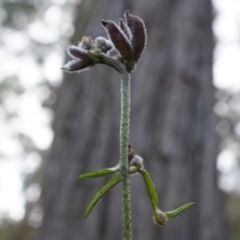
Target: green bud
(160, 218)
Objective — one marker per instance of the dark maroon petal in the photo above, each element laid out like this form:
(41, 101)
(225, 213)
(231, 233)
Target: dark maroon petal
(77, 65)
(78, 52)
(139, 34)
(119, 39)
(125, 29)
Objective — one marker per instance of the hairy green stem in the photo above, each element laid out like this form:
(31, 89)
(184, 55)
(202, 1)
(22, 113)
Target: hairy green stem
(124, 139)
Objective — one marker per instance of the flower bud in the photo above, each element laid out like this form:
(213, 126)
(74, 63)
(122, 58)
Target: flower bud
(77, 66)
(87, 43)
(78, 53)
(139, 35)
(137, 161)
(104, 44)
(119, 39)
(160, 218)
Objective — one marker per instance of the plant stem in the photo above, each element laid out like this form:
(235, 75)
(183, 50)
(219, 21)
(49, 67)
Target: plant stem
(124, 140)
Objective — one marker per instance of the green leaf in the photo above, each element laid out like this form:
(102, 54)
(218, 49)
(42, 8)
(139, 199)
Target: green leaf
(108, 186)
(174, 213)
(151, 190)
(100, 173)
(160, 217)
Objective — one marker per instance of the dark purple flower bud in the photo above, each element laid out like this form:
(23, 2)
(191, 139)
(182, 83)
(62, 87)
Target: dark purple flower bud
(139, 34)
(78, 52)
(77, 65)
(119, 39)
(125, 29)
(104, 44)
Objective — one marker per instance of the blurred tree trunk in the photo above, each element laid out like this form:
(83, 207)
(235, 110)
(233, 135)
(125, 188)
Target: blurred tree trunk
(172, 127)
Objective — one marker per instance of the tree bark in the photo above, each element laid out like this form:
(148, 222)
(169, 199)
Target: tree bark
(172, 127)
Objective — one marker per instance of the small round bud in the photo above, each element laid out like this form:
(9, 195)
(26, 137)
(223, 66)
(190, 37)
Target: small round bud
(160, 218)
(137, 161)
(87, 43)
(104, 44)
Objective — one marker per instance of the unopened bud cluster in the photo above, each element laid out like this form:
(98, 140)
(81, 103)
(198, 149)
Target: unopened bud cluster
(128, 39)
